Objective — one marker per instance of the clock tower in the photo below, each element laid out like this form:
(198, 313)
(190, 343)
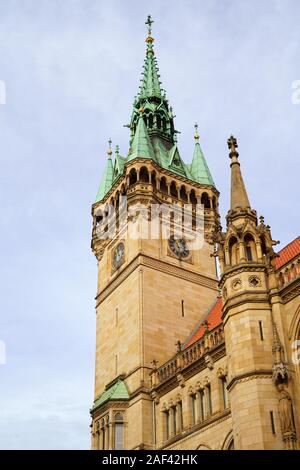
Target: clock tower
(154, 222)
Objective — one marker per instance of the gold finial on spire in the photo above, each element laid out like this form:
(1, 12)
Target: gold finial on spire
(196, 136)
(109, 151)
(149, 24)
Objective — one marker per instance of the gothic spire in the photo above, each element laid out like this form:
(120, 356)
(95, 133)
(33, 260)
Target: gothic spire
(199, 167)
(239, 197)
(151, 98)
(150, 86)
(107, 177)
(141, 145)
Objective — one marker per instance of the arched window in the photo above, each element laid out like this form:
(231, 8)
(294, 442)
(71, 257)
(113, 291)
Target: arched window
(117, 200)
(183, 194)
(193, 199)
(173, 189)
(233, 251)
(158, 121)
(205, 201)
(144, 175)
(214, 203)
(150, 121)
(166, 424)
(153, 179)
(250, 248)
(132, 177)
(119, 432)
(163, 185)
(225, 396)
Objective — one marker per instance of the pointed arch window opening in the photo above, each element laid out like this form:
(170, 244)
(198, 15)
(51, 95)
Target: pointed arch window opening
(205, 201)
(163, 185)
(250, 248)
(144, 175)
(233, 251)
(173, 189)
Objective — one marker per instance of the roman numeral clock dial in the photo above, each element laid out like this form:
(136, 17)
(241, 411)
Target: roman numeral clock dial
(179, 247)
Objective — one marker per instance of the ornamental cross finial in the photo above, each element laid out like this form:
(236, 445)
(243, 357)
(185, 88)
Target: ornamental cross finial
(149, 24)
(109, 151)
(196, 136)
(232, 144)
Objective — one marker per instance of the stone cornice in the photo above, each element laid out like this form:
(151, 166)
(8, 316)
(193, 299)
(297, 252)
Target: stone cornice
(190, 370)
(162, 266)
(203, 425)
(290, 291)
(161, 170)
(246, 267)
(245, 297)
(251, 375)
(102, 409)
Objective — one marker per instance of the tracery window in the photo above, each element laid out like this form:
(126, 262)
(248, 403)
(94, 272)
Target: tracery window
(118, 432)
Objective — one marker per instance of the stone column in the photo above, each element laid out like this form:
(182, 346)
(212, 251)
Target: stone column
(207, 402)
(197, 405)
(106, 433)
(258, 251)
(179, 417)
(227, 257)
(242, 255)
(171, 423)
(111, 435)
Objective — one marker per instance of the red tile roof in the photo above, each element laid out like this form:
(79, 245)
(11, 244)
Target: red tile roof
(287, 253)
(213, 318)
(214, 315)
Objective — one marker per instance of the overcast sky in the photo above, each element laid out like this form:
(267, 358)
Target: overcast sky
(71, 69)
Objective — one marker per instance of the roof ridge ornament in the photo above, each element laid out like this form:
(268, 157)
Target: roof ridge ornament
(232, 145)
(149, 24)
(109, 151)
(196, 136)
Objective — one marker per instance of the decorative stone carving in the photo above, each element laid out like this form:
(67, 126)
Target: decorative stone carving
(209, 362)
(254, 281)
(287, 418)
(236, 284)
(181, 380)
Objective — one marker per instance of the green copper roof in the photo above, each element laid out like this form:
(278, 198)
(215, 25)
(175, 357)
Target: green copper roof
(106, 181)
(152, 132)
(119, 164)
(199, 168)
(118, 391)
(141, 145)
(150, 80)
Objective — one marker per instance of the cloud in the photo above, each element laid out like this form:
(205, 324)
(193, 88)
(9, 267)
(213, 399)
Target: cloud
(71, 70)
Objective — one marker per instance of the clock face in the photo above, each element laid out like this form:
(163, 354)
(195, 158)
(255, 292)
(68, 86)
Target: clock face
(179, 247)
(118, 255)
